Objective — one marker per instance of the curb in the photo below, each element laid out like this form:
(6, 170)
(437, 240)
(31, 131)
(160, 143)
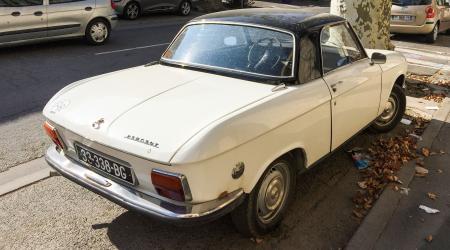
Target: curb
(23, 175)
(374, 223)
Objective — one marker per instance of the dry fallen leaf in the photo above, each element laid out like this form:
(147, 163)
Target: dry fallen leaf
(421, 172)
(425, 152)
(441, 152)
(432, 196)
(440, 171)
(358, 214)
(429, 238)
(362, 184)
(257, 240)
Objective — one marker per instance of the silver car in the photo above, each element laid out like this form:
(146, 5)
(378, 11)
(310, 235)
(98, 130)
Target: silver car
(24, 21)
(132, 9)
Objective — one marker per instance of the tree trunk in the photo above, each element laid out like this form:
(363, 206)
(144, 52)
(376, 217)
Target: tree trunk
(369, 18)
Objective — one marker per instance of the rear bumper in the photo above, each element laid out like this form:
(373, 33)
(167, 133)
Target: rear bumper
(134, 200)
(411, 29)
(113, 19)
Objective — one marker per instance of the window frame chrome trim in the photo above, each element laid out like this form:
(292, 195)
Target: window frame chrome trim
(355, 38)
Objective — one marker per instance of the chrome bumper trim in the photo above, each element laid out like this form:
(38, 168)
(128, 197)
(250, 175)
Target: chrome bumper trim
(134, 200)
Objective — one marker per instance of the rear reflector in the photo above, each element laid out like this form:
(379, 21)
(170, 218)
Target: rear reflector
(113, 5)
(53, 134)
(172, 186)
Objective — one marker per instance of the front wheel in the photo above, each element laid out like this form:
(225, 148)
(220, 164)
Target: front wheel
(264, 207)
(132, 11)
(393, 112)
(97, 32)
(185, 8)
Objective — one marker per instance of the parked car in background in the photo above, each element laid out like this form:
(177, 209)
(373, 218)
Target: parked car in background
(235, 4)
(427, 17)
(239, 104)
(133, 9)
(24, 21)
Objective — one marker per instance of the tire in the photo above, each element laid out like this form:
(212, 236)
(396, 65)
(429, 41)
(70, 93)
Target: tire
(132, 11)
(185, 8)
(98, 32)
(258, 214)
(396, 104)
(432, 37)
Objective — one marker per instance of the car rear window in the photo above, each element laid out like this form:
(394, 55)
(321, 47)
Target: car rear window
(411, 2)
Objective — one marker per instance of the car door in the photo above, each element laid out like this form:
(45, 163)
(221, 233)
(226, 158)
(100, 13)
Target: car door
(153, 5)
(354, 82)
(22, 20)
(69, 17)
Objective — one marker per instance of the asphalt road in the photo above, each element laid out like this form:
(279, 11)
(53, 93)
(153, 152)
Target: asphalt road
(31, 74)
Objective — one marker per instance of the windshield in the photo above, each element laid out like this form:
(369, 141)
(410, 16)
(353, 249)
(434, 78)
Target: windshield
(235, 48)
(411, 2)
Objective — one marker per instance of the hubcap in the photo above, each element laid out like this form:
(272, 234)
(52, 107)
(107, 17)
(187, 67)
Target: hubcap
(272, 194)
(99, 32)
(132, 11)
(390, 110)
(185, 8)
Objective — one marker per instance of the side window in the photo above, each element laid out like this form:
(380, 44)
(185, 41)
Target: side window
(309, 66)
(63, 1)
(20, 3)
(339, 47)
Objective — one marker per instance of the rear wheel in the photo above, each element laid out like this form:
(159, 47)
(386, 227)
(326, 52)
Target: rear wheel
(394, 110)
(264, 207)
(132, 11)
(97, 32)
(432, 37)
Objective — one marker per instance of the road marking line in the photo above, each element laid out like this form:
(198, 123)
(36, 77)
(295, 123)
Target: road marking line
(135, 48)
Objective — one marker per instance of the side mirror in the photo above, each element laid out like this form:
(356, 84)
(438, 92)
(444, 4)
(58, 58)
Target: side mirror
(378, 58)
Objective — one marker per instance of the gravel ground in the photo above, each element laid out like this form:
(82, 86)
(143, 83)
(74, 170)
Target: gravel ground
(22, 140)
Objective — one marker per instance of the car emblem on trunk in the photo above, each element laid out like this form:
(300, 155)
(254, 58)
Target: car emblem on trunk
(143, 141)
(97, 124)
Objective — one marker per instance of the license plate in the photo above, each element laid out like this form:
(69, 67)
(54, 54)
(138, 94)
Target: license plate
(105, 164)
(403, 18)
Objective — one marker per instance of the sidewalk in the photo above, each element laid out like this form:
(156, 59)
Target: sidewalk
(409, 226)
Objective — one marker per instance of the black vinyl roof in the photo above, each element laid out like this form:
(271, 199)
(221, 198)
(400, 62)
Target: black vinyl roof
(295, 20)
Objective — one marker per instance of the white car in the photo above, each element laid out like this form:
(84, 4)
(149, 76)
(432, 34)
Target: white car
(239, 104)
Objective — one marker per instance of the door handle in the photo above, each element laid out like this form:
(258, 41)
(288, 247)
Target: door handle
(15, 13)
(334, 86)
(38, 13)
(88, 8)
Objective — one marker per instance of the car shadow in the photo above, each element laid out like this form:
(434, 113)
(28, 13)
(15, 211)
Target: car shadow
(442, 40)
(321, 210)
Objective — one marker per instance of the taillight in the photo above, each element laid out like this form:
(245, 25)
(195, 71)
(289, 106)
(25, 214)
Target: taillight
(172, 186)
(430, 12)
(113, 5)
(53, 134)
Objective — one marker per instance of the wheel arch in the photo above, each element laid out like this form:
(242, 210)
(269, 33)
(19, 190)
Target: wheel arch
(298, 157)
(400, 80)
(98, 18)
